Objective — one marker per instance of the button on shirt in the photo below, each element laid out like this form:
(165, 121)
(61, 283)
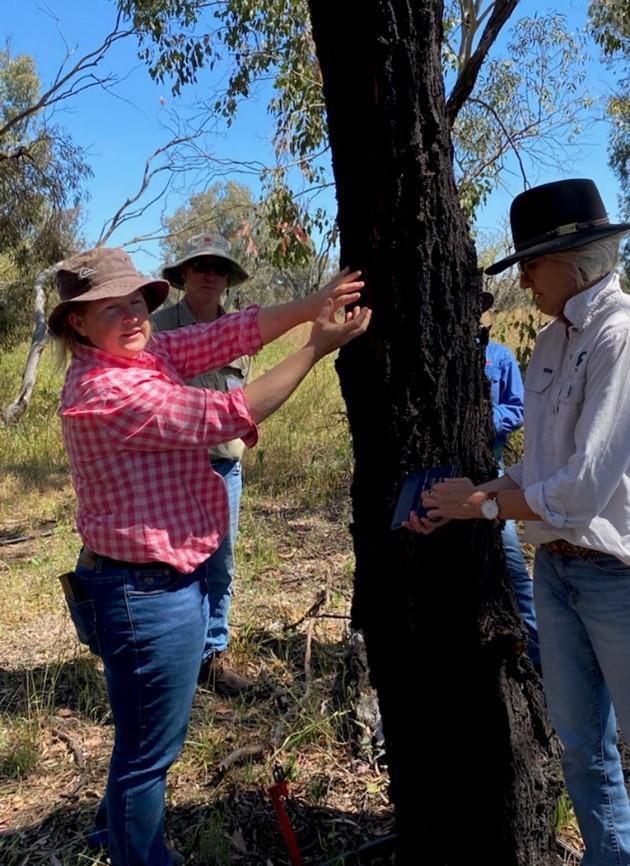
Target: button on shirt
(137, 439)
(575, 470)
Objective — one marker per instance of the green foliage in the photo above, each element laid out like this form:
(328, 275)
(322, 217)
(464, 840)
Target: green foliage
(305, 451)
(54, 238)
(610, 21)
(229, 209)
(41, 174)
(169, 45)
(213, 845)
(261, 38)
(266, 39)
(523, 103)
(41, 171)
(610, 24)
(269, 244)
(19, 749)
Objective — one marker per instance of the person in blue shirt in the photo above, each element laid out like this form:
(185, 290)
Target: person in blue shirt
(507, 394)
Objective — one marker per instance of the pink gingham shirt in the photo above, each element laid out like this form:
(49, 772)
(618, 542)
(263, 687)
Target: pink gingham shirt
(137, 438)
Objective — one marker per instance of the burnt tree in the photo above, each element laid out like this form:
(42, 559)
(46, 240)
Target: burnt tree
(473, 771)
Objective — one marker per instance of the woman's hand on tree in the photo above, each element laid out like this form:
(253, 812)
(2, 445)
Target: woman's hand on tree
(344, 289)
(328, 334)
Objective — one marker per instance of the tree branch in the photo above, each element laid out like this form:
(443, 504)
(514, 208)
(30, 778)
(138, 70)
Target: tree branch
(507, 135)
(56, 93)
(468, 75)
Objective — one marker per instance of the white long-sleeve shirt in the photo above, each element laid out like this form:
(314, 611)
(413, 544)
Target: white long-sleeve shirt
(575, 471)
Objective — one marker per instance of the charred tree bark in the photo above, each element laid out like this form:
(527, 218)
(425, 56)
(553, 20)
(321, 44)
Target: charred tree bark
(470, 754)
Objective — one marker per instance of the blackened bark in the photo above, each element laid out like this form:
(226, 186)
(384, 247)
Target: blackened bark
(473, 776)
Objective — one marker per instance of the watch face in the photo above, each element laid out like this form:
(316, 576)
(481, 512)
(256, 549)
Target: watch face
(490, 509)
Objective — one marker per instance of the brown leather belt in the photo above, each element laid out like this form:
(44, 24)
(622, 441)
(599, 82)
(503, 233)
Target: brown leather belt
(564, 548)
(90, 560)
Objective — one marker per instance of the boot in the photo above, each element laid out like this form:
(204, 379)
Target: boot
(216, 676)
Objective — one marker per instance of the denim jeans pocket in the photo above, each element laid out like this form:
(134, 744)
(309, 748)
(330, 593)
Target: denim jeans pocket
(609, 565)
(83, 616)
(151, 581)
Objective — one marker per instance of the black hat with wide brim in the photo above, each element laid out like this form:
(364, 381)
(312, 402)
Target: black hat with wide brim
(556, 216)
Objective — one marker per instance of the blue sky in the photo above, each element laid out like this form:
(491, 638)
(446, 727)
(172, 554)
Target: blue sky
(119, 129)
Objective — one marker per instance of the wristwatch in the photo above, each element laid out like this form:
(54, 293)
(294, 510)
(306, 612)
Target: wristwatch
(490, 506)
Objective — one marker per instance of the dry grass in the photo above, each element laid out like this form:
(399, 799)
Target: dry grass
(294, 556)
(55, 731)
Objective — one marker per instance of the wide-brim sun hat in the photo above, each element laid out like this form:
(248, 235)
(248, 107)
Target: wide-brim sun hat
(205, 244)
(562, 215)
(103, 272)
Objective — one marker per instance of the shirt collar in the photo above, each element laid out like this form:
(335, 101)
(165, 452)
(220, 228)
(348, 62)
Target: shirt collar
(579, 309)
(186, 316)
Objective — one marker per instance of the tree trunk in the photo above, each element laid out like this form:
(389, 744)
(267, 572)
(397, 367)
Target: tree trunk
(39, 338)
(470, 754)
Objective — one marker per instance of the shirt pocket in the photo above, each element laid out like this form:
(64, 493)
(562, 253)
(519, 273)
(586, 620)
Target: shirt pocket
(572, 391)
(538, 410)
(537, 381)
(566, 415)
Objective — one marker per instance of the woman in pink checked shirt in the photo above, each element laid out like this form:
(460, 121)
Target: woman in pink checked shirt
(150, 509)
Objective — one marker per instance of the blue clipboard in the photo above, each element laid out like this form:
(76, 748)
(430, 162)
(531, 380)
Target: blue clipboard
(414, 485)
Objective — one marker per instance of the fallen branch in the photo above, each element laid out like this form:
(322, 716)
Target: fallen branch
(238, 756)
(20, 538)
(314, 609)
(307, 658)
(79, 758)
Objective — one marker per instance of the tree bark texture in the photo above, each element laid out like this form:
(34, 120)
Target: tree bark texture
(473, 768)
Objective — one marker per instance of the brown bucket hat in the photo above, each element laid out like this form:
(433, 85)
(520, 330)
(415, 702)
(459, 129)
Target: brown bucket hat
(104, 272)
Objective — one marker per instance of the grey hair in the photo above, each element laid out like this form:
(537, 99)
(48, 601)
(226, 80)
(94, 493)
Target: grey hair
(591, 261)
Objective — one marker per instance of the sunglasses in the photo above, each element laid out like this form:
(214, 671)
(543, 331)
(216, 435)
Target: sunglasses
(525, 263)
(205, 264)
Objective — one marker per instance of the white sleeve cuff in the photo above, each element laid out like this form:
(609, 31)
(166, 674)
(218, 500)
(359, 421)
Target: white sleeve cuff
(551, 511)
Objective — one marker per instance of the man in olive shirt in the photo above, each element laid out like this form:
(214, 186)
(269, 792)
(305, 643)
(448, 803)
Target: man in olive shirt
(204, 272)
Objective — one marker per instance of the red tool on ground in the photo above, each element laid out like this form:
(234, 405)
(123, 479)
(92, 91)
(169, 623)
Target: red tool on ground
(279, 793)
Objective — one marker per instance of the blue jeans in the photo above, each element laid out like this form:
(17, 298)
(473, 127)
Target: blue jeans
(221, 564)
(148, 624)
(583, 608)
(523, 587)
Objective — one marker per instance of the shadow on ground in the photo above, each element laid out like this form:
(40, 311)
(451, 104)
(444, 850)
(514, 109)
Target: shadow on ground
(239, 829)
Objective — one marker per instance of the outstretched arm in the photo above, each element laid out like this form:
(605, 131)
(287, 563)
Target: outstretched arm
(274, 321)
(267, 393)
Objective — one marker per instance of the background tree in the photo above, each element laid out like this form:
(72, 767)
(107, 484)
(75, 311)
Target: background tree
(528, 104)
(610, 20)
(527, 107)
(41, 175)
(228, 207)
